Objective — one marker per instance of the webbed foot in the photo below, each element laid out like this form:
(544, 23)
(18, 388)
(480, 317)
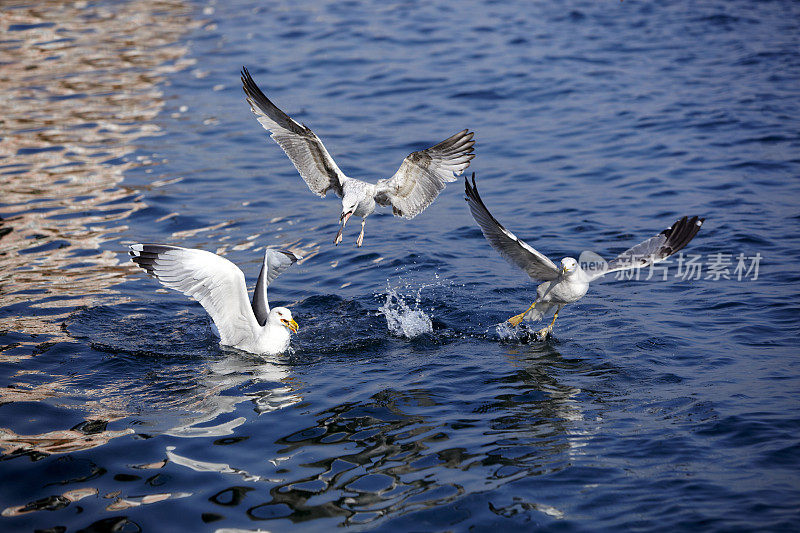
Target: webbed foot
(516, 319)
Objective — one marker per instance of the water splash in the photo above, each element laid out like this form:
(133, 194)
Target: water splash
(507, 332)
(524, 332)
(402, 319)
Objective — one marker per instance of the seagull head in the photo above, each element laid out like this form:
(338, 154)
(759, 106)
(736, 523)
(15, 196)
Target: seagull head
(349, 204)
(284, 317)
(569, 266)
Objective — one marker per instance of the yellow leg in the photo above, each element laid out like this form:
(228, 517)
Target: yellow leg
(554, 320)
(544, 332)
(360, 238)
(516, 319)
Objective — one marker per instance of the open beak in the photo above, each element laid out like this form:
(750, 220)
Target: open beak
(563, 270)
(291, 324)
(345, 217)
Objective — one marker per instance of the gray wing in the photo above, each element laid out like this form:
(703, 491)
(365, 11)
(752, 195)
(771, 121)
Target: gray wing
(212, 280)
(513, 249)
(303, 147)
(275, 262)
(423, 175)
(656, 249)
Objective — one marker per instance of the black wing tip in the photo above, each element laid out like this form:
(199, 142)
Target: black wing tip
(476, 204)
(144, 255)
(247, 78)
(459, 143)
(471, 190)
(249, 85)
(681, 233)
(293, 257)
(253, 91)
(151, 248)
(257, 99)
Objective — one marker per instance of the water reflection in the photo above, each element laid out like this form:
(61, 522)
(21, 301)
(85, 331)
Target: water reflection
(400, 450)
(80, 85)
(391, 454)
(267, 385)
(50, 503)
(265, 382)
(207, 466)
(84, 436)
(537, 364)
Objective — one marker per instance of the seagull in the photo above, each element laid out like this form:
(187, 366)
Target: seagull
(418, 181)
(219, 286)
(568, 284)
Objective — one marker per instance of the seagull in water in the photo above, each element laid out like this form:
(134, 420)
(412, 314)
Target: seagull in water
(568, 284)
(420, 179)
(219, 286)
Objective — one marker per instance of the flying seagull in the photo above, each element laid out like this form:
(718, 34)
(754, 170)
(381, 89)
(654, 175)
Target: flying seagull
(219, 286)
(418, 181)
(570, 282)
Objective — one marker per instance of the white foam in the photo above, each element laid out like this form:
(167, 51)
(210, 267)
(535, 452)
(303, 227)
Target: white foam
(402, 319)
(506, 331)
(524, 331)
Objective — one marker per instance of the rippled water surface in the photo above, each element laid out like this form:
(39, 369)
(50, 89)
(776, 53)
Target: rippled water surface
(659, 405)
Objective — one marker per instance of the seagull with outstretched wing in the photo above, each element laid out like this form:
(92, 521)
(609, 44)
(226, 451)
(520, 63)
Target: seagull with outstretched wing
(417, 183)
(568, 282)
(220, 288)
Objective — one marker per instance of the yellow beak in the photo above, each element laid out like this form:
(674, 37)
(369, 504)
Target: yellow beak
(563, 270)
(291, 324)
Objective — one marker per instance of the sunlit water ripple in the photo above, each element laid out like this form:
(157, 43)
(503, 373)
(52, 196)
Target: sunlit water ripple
(659, 405)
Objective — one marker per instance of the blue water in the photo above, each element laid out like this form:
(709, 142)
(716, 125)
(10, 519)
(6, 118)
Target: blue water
(658, 405)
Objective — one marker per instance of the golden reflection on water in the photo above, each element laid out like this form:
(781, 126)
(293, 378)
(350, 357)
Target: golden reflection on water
(53, 502)
(204, 405)
(61, 441)
(80, 86)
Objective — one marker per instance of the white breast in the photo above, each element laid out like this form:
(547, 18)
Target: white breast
(563, 290)
(270, 340)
